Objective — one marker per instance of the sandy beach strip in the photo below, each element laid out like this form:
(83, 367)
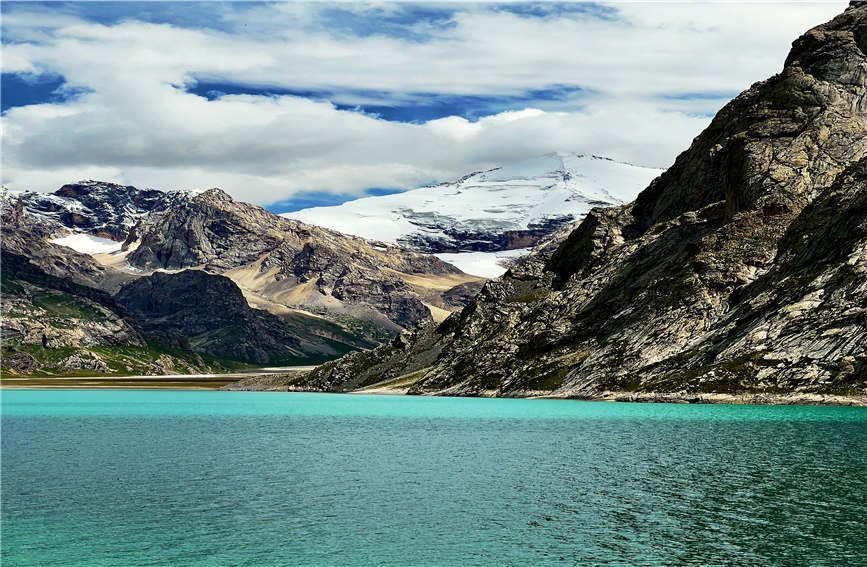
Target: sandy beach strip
(161, 382)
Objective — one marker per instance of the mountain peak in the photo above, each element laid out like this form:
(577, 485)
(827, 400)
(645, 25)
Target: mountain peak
(214, 194)
(99, 208)
(770, 146)
(87, 186)
(836, 50)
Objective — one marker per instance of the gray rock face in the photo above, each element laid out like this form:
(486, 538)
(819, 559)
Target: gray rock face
(52, 325)
(462, 294)
(102, 209)
(210, 231)
(437, 234)
(741, 269)
(42, 309)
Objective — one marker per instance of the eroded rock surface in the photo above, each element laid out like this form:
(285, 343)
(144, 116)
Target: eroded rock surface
(25, 235)
(52, 325)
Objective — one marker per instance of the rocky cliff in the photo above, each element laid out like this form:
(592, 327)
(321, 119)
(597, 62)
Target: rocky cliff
(741, 269)
(24, 234)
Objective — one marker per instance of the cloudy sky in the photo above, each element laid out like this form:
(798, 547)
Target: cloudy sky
(296, 104)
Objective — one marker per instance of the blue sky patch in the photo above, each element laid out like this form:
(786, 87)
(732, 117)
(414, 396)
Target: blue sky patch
(191, 15)
(307, 199)
(411, 107)
(713, 95)
(422, 107)
(558, 10)
(414, 22)
(700, 104)
(21, 90)
(214, 90)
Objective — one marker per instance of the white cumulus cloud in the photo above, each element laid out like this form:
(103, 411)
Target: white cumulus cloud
(650, 77)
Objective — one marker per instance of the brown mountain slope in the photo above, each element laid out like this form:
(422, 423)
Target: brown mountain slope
(285, 264)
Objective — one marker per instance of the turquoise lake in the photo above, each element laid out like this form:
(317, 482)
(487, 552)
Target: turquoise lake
(194, 478)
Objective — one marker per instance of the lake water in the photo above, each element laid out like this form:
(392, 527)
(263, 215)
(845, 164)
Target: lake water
(134, 478)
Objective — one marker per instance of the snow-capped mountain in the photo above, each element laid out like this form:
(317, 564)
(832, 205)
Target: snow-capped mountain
(503, 209)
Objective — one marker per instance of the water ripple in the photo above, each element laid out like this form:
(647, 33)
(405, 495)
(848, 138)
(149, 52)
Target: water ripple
(205, 479)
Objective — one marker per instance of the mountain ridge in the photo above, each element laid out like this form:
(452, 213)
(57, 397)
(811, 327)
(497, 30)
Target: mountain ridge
(307, 266)
(99, 208)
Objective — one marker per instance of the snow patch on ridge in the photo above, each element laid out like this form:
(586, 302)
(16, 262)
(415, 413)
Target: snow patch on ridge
(482, 264)
(89, 244)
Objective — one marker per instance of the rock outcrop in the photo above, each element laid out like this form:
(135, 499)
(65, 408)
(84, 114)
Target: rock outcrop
(25, 235)
(461, 294)
(741, 269)
(39, 306)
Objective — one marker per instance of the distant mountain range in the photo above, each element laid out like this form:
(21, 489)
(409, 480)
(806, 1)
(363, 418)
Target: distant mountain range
(300, 293)
(281, 291)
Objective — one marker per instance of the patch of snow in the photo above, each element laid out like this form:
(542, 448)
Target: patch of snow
(482, 264)
(89, 244)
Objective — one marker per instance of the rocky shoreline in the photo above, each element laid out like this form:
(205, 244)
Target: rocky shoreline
(282, 382)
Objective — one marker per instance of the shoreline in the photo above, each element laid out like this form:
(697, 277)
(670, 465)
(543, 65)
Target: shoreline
(224, 382)
(115, 383)
(134, 381)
